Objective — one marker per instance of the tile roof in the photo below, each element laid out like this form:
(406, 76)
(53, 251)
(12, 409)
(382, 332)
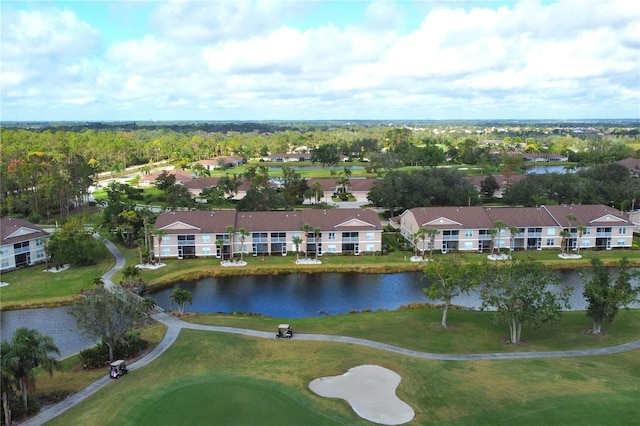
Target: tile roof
(14, 230)
(452, 217)
(521, 216)
(263, 221)
(588, 215)
(205, 221)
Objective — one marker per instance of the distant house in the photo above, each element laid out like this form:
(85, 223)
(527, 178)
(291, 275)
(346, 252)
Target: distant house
(544, 158)
(150, 179)
(287, 157)
(504, 182)
(196, 233)
(358, 187)
(222, 162)
(633, 164)
(22, 243)
(535, 228)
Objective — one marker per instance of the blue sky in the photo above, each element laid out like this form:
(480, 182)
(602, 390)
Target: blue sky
(306, 60)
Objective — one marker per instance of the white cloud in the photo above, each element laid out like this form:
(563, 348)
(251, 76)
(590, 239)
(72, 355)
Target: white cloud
(238, 59)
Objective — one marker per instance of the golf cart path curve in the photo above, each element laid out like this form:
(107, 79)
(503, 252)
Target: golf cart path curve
(175, 325)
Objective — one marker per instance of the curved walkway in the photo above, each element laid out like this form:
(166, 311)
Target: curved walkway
(175, 325)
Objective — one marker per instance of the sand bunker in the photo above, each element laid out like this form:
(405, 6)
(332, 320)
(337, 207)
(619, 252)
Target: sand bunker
(371, 392)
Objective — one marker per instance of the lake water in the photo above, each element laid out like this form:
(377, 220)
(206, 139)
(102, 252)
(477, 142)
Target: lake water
(283, 296)
(308, 295)
(55, 322)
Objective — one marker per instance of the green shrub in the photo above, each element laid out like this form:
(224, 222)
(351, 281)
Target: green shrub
(98, 356)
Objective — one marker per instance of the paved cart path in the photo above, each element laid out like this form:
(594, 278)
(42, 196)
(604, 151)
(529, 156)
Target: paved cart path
(175, 325)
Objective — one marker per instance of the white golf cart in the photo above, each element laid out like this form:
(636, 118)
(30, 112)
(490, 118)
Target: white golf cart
(284, 332)
(117, 368)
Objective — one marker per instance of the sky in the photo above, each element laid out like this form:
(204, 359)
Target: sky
(319, 60)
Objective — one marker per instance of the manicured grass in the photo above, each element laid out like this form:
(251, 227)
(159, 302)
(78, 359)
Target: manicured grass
(469, 331)
(221, 370)
(31, 287)
(72, 378)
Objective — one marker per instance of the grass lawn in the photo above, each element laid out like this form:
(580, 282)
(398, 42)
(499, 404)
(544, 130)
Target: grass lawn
(31, 287)
(215, 378)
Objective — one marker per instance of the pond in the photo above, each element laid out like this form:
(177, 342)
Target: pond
(284, 296)
(308, 295)
(55, 322)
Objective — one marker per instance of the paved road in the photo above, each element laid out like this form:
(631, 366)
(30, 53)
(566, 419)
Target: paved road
(175, 325)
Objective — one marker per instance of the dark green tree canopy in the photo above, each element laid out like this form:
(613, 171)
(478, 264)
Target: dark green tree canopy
(109, 315)
(72, 243)
(327, 154)
(423, 188)
(604, 296)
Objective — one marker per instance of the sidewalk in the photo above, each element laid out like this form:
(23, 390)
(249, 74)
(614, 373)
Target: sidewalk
(175, 325)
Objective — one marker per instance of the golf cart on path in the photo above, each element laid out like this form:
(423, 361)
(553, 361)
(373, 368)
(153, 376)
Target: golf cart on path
(284, 332)
(117, 369)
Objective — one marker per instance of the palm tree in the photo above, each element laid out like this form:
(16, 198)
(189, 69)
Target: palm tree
(581, 230)
(432, 233)
(492, 232)
(130, 272)
(296, 242)
(243, 235)
(220, 243)
(422, 234)
(139, 243)
(32, 349)
(8, 368)
(230, 230)
(159, 233)
(513, 231)
(181, 297)
(98, 281)
(499, 225)
(307, 230)
(316, 233)
(565, 240)
(414, 240)
(571, 219)
(317, 190)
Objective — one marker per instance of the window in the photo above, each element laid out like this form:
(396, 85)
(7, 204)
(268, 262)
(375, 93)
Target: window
(206, 250)
(331, 248)
(332, 236)
(468, 233)
(206, 238)
(551, 231)
(166, 251)
(40, 254)
(39, 242)
(371, 247)
(550, 242)
(468, 245)
(622, 231)
(621, 242)
(586, 243)
(4, 250)
(165, 239)
(370, 235)
(5, 263)
(295, 234)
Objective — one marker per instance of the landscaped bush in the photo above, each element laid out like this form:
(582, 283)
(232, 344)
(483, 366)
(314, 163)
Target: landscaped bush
(98, 356)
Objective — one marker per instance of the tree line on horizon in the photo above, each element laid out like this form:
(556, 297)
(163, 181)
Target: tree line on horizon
(48, 172)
